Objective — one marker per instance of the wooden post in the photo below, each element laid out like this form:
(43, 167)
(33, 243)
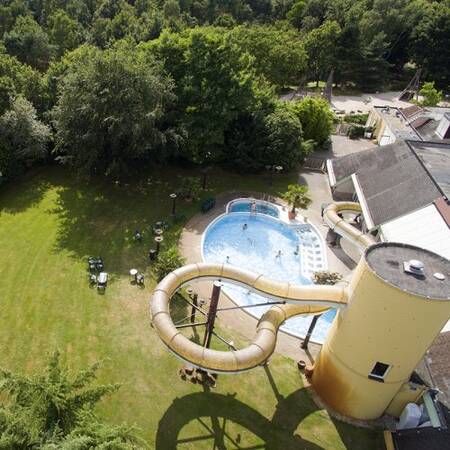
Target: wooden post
(194, 301)
(212, 313)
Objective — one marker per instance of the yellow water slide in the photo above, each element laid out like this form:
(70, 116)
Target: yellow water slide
(298, 299)
(333, 216)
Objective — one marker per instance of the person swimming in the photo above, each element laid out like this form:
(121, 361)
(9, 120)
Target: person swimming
(244, 227)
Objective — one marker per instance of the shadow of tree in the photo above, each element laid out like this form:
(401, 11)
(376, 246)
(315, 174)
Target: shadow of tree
(100, 219)
(23, 193)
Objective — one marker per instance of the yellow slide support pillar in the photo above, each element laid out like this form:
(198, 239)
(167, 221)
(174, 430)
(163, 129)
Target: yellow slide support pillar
(392, 318)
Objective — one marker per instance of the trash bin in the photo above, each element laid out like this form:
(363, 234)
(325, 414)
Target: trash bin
(152, 254)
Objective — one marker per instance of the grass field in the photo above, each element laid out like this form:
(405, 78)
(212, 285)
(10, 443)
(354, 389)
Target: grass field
(49, 224)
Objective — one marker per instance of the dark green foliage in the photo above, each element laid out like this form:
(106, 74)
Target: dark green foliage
(359, 119)
(316, 118)
(23, 139)
(29, 43)
(110, 113)
(356, 132)
(167, 262)
(55, 410)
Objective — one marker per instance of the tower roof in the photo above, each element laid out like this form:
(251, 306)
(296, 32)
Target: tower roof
(388, 260)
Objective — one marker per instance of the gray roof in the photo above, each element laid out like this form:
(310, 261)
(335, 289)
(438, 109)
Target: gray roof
(392, 179)
(436, 159)
(386, 260)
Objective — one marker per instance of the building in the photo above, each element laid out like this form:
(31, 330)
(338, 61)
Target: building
(414, 123)
(403, 189)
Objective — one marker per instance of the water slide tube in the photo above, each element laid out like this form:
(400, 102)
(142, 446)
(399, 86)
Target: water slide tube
(343, 228)
(298, 299)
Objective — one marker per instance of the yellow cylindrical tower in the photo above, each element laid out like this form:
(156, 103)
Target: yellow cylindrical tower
(399, 300)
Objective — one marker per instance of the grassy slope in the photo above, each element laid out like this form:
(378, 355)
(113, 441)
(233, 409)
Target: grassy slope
(49, 224)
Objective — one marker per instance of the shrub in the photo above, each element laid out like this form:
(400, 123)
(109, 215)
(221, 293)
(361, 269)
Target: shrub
(326, 277)
(356, 131)
(190, 188)
(167, 262)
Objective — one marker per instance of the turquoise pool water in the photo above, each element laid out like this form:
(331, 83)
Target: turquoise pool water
(246, 206)
(265, 245)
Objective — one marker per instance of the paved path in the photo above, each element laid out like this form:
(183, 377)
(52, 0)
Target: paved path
(238, 320)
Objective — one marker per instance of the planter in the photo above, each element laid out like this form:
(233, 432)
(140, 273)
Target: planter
(292, 215)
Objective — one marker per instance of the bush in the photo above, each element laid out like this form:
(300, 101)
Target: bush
(190, 188)
(356, 131)
(167, 262)
(359, 119)
(326, 277)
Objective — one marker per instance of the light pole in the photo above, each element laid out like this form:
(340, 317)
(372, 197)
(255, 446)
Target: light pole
(273, 169)
(158, 240)
(173, 196)
(204, 173)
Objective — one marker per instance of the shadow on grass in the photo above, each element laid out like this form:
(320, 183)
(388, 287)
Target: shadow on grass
(213, 412)
(23, 193)
(100, 219)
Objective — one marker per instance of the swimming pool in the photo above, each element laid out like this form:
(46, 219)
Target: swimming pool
(245, 205)
(266, 245)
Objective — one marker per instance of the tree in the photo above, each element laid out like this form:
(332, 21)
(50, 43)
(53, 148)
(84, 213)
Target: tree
(430, 40)
(167, 262)
(111, 111)
(17, 78)
(296, 13)
(64, 32)
(54, 410)
(23, 138)
(29, 43)
(269, 136)
(214, 85)
(297, 197)
(431, 96)
(320, 45)
(279, 54)
(316, 118)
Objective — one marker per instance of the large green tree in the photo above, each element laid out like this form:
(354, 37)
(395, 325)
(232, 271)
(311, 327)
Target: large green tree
(54, 410)
(214, 84)
(29, 43)
(271, 136)
(279, 53)
(110, 116)
(23, 139)
(322, 51)
(65, 32)
(316, 118)
(430, 40)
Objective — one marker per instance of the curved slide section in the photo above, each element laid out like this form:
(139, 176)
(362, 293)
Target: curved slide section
(343, 228)
(311, 299)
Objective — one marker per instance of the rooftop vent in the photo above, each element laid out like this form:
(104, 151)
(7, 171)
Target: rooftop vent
(414, 267)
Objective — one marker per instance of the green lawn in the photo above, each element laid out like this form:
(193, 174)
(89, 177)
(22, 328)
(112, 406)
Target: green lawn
(49, 224)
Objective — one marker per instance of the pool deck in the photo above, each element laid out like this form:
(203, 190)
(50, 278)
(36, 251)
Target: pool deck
(240, 321)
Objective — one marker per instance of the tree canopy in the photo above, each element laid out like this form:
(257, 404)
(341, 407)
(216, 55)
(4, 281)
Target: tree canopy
(55, 410)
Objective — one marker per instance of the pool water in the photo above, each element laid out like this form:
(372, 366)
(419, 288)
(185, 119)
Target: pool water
(265, 245)
(246, 206)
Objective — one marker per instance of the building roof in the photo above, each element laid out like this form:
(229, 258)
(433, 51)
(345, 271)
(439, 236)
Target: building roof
(411, 111)
(436, 159)
(396, 179)
(425, 228)
(394, 183)
(420, 122)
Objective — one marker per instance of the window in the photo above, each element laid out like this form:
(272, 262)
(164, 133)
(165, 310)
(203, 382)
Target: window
(379, 371)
